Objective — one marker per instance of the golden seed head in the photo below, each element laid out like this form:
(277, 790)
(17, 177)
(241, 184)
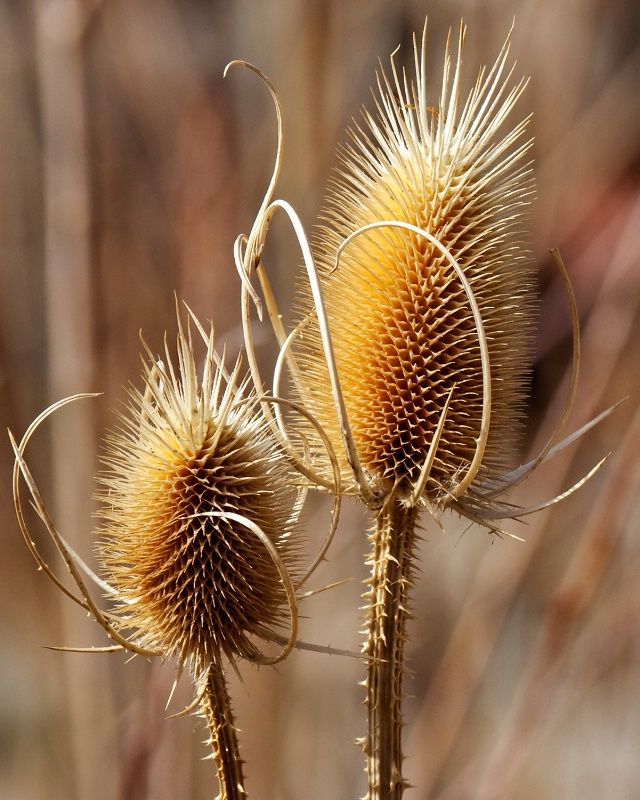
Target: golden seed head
(401, 320)
(190, 581)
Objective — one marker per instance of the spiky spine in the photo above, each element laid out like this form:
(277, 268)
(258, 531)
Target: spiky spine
(393, 543)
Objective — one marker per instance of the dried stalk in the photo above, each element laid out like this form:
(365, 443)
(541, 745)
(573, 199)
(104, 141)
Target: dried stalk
(393, 540)
(223, 737)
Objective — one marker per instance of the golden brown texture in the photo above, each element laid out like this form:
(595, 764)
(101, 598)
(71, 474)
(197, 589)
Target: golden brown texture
(402, 322)
(190, 580)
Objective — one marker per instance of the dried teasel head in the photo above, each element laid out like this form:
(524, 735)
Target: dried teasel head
(415, 335)
(428, 291)
(200, 546)
(197, 540)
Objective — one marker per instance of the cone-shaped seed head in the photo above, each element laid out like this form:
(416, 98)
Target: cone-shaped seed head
(401, 321)
(188, 584)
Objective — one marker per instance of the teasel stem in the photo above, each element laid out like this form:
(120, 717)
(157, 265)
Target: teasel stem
(393, 543)
(223, 737)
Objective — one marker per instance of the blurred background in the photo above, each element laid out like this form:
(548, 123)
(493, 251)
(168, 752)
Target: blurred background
(127, 168)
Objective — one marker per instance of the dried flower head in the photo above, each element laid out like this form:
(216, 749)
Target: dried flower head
(426, 283)
(415, 336)
(190, 478)
(200, 549)
(199, 509)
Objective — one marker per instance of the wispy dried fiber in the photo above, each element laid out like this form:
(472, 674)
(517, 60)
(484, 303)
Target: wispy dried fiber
(189, 476)
(424, 264)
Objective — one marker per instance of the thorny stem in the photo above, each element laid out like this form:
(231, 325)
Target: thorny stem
(393, 541)
(223, 735)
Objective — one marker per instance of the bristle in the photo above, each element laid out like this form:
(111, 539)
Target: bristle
(191, 583)
(402, 325)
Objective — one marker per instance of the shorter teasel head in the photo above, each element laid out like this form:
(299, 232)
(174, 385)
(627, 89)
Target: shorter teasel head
(196, 510)
(427, 287)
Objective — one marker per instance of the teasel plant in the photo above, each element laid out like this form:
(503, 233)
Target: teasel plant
(415, 336)
(199, 542)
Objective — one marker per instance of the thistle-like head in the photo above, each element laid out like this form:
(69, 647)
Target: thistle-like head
(197, 501)
(427, 288)
(413, 348)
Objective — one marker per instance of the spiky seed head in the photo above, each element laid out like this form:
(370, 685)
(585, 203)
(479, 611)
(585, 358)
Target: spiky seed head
(190, 583)
(402, 325)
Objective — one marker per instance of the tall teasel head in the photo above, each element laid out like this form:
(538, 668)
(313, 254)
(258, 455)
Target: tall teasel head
(197, 508)
(427, 288)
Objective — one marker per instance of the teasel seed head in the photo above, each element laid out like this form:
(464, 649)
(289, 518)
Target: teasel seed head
(191, 478)
(427, 286)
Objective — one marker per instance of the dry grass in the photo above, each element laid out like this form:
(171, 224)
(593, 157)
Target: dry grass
(128, 167)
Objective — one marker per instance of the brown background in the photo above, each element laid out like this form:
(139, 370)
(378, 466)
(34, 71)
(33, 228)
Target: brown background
(127, 168)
